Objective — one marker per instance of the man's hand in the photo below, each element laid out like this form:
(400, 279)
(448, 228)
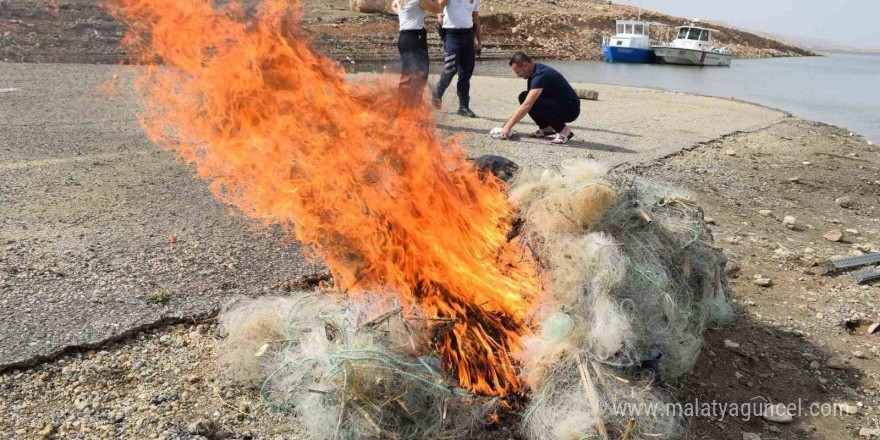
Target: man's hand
(505, 132)
(479, 47)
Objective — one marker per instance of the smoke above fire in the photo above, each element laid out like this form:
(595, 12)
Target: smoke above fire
(369, 185)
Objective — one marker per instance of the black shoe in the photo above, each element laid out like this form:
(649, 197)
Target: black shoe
(464, 111)
(437, 103)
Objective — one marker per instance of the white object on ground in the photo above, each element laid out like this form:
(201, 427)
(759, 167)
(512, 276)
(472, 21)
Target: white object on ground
(778, 413)
(495, 133)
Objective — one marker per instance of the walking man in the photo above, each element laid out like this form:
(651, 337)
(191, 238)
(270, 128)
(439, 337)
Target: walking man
(550, 100)
(461, 23)
(413, 47)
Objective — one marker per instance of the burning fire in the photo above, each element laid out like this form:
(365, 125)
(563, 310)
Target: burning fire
(367, 183)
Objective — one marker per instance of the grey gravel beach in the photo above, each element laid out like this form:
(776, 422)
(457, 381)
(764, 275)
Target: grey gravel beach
(103, 232)
(114, 257)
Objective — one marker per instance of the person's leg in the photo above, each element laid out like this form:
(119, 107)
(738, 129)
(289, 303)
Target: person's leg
(546, 113)
(568, 113)
(422, 64)
(536, 116)
(409, 70)
(466, 60)
(450, 66)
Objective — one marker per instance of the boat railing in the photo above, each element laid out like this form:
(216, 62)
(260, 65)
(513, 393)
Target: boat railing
(606, 40)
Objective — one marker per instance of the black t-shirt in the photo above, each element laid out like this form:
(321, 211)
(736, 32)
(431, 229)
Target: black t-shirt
(554, 84)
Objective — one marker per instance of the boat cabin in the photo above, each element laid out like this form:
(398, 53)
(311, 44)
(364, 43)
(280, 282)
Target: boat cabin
(631, 33)
(694, 37)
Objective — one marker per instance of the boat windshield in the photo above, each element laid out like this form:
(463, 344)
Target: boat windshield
(683, 33)
(694, 34)
(620, 28)
(640, 29)
(704, 36)
(629, 29)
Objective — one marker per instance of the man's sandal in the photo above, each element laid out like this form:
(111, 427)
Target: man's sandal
(562, 139)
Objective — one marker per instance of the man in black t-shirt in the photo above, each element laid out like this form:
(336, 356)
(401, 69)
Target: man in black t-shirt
(550, 100)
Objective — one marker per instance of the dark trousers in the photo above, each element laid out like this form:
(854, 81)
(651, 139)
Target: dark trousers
(458, 58)
(413, 47)
(552, 113)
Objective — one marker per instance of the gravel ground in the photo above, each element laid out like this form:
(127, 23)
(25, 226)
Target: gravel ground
(792, 345)
(162, 384)
(159, 383)
(102, 233)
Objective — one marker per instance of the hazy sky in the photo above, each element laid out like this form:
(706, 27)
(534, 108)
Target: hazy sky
(850, 22)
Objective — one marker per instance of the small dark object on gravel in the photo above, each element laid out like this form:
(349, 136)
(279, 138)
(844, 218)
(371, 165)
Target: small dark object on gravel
(206, 428)
(867, 275)
(859, 326)
(502, 167)
(850, 262)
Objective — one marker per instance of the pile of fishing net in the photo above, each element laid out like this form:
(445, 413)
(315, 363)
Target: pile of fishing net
(633, 280)
(349, 369)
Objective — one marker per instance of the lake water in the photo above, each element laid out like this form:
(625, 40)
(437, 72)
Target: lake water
(841, 89)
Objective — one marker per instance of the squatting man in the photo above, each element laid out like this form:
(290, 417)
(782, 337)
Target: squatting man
(549, 99)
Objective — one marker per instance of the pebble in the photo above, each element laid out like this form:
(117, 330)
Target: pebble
(778, 413)
(760, 280)
(869, 432)
(847, 408)
(834, 236)
(751, 436)
(835, 363)
(765, 212)
(790, 222)
(730, 344)
(46, 432)
(859, 354)
(844, 202)
(851, 392)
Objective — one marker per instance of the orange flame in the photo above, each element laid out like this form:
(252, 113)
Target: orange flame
(367, 183)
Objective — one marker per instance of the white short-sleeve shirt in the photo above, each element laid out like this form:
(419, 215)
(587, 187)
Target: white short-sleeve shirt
(410, 14)
(458, 14)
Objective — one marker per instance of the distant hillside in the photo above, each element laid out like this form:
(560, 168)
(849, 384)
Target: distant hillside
(568, 29)
(78, 31)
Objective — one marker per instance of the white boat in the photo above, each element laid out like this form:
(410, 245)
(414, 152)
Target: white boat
(694, 46)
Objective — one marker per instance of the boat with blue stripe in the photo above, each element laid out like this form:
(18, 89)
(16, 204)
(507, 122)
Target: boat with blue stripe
(631, 43)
